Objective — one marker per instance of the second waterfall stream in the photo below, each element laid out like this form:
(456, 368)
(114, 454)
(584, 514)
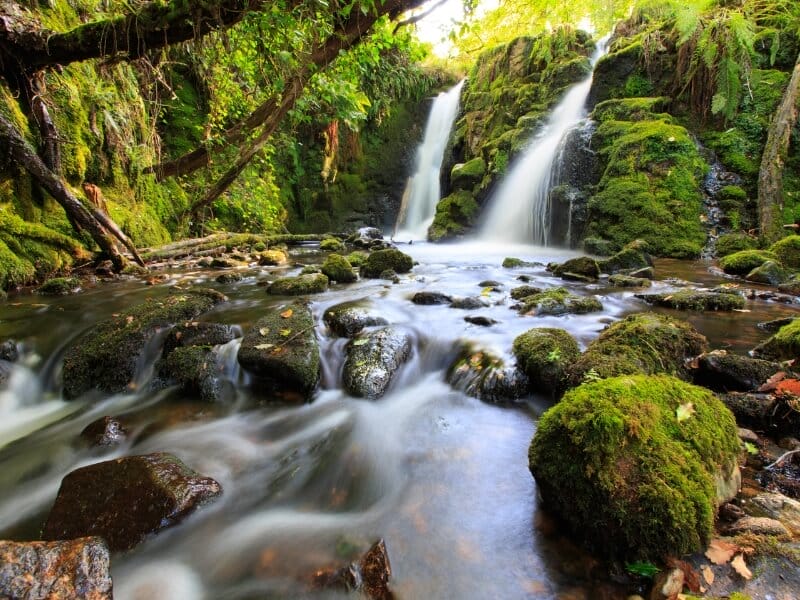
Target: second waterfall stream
(519, 211)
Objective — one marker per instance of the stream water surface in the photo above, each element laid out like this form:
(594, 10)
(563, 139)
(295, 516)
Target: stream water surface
(440, 476)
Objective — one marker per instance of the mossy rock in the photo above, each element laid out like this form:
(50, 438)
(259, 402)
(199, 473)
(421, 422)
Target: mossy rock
(194, 368)
(226, 278)
(782, 345)
(770, 273)
(455, 214)
(626, 281)
(281, 350)
(106, 357)
(631, 257)
(481, 374)
(543, 354)
(512, 262)
(331, 244)
(632, 464)
(59, 286)
(524, 291)
(788, 251)
(722, 371)
(383, 260)
(558, 301)
(337, 268)
(373, 360)
(272, 258)
(630, 109)
(584, 266)
(311, 283)
(729, 243)
(645, 343)
(357, 258)
(198, 333)
(465, 176)
(741, 263)
(349, 318)
(695, 300)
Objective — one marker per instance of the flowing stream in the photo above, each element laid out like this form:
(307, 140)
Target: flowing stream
(441, 476)
(422, 192)
(519, 212)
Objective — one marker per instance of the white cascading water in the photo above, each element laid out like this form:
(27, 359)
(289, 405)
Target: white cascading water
(519, 212)
(422, 191)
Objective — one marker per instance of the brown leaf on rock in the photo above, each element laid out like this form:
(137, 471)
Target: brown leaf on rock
(287, 313)
(708, 574)
(691, 578)
(740, 567)
(719, 551)
(772, 382)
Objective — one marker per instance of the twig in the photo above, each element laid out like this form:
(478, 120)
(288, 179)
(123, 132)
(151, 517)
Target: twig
(782, 456)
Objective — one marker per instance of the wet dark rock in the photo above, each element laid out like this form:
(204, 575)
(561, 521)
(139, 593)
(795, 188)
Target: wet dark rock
(469, 303)
(382, 260)
(106, 357)
(770, 413)
(373, 360)
(9, 351)
(60, 570)
(769, 273)
(105, 431)
(198, 333)
(59, 286)
(646, 273)
(126, 499)
(627, 281)
(311, 283)
(491, 283)
(337, 268)
(730, 512)
(282, 350)
(195, 370)
(480, 374)
(365, 237)
(523, 291)
(430, 298)
(480, 320)
(724, 372)
(775, 324)
(369, 575)
(695, 300)
(225, 278)
(525, 278)
(544, 354)
(6, 369)
(580, 267)
(349, 318)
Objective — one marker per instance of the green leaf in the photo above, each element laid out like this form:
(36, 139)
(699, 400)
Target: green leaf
(359, 342)
(642, 568)
(684, 411)
(751, 448)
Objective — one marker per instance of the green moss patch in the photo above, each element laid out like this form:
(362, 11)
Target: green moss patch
(384, 260)
(543, 354)
(454, 215)
(741, 263)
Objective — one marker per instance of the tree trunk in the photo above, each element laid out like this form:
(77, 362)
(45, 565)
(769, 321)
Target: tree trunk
(24, 155)
(770, 174)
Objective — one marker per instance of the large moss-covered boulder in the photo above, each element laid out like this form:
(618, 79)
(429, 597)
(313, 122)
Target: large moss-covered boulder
(769, 273)
(465, 176)
(632, 257)
(372, 361)
(633, 464)
(384, 260)
(106, 357)
(782, 345)
(788, 251)
(126, 499)
(643, 343)
(310, 283)
(337, 268)
(543, 354)
(282, 351)
(741, 263)
(584, 266)
(454, 216)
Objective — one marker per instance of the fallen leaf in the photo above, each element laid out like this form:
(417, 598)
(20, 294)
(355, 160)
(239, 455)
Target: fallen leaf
(691, 578)
(708, 574)
(789, 386)
(359, 342)
(684, 411)
(264, 346)
(285, 332)
(740, 567)
(264, 331)
(744, 310)
(772, 382)
(719, 551)
(486, 291)
(129, 319)
(287, 313)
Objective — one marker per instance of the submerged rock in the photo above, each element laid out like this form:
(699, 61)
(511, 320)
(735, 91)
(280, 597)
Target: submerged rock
(126, 499)
(383, 260)
(369, 575)
(106, 357)
(543, 354)
(349, 318)
(482, 375)
(632, 464)
(105, 431)
(373, 360)
(480, 320)
(469, 303)
(311, 283)
(282, 350)
(60, 570)
(724, 372)
(695, 300)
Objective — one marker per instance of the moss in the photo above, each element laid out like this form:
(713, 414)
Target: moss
(59, 286)
(558, 301)
(783, 345)
(582, 265)
(271, 258)
(312, 283)
(626, 281)
(631, 256)
(454, 215)
(357, 258)
(331, 244)
(643, 343)
(524, 291)
(512, 262)
(695, 300)
(729, 243)
(769, 273)
(337, 268)
(741, 263)
(544, 354)
(465, 176)
(629, 478)
(382, 260)
(598, 246)
(788, 251)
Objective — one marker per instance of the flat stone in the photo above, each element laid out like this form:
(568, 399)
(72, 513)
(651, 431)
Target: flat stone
(777, 506)
(758, 526)
(747, 435)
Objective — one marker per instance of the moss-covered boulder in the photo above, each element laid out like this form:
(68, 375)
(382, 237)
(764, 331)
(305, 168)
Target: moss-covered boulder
(310, 283)
(481, 374)
(107, 356)
(744, 261)
(373, 360)
(272, 258)
(722, 371)
(543, 354)
(349, 318)
(59, 286)
(337, 268)
(728, 243)
(626, 281)
(195, 370)
(697, 300)
(632, 464)
(198, 333)
(383, 260)
(782, 345)
(768, 273)
(357, 258)
(646, 343)
(524, 291)
(632, 257)
(331, 244)
(559, 301)
(788, 251)
(281, 350)
(465, 176)
(454, 215)
(584, 266)
(512, 262)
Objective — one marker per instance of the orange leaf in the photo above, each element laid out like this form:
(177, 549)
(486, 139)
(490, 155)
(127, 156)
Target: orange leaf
(719, 551)
(740, 567)
(287, 313)
(789, 386)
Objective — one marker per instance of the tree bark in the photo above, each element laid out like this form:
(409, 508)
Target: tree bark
(770, 174)
(24, 155)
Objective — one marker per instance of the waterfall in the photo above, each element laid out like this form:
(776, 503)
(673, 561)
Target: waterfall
(422, 191)
(519, 212)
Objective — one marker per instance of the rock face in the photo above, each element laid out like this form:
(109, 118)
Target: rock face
(349, 318)
(62, 570)
(106, 357)
(282, 350)
(642, 343)
(126, 499)
(544, 354)
(373, 360)
(632, 464)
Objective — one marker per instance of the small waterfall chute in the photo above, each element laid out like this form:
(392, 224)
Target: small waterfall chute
(519, 211)
(423, 190)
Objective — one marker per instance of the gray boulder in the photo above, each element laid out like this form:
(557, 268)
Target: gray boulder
(373, 360)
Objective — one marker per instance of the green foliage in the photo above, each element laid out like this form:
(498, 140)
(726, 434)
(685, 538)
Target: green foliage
(642, 568)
